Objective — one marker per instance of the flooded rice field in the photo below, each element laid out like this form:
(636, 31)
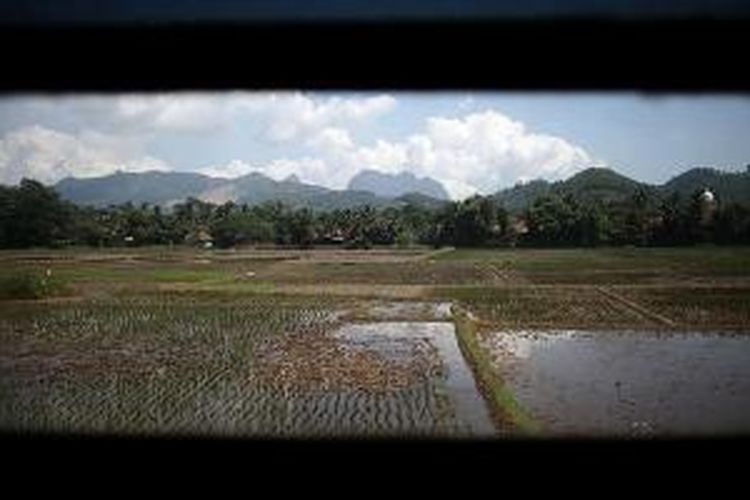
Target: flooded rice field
(262, 369)
(467, 412)
(376, 379)
(628, 383)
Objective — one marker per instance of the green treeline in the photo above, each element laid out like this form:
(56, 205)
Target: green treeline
(33, 215)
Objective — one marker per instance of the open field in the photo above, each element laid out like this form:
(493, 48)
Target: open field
(266, 342)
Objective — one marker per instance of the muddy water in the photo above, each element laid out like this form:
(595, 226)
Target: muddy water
(410, 311)
(628, 383)
(468, 411)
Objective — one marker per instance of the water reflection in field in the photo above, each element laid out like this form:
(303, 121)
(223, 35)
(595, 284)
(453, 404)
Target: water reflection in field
(398, 340)
(629, 382)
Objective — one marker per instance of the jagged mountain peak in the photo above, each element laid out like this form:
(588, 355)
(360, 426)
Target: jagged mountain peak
(394, 185)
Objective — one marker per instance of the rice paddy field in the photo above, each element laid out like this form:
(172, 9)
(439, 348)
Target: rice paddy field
(339, 343)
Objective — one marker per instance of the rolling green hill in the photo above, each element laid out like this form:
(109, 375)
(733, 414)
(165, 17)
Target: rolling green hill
(160, 188)
(729, 187)
(606, 185)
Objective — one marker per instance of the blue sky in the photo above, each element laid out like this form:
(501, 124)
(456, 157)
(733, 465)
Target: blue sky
(472, 142)
(649, 138)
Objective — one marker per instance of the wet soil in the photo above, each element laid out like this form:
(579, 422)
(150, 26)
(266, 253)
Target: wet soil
(397, 378)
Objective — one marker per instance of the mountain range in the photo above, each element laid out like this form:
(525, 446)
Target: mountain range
(393, 185)
(168, 188)
(382, 190)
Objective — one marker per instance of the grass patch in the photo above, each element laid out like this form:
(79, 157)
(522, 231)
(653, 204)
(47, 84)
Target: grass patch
(507, 412)
(188, 275)
(30, 285)
(157, 275)
(216, 289)
(702, 260)
(380, 273)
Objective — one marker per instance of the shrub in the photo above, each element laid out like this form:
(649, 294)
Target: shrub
(29, 285)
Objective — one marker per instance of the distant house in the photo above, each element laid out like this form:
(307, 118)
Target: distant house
(336, 237)
(200, 237)
(518, 226)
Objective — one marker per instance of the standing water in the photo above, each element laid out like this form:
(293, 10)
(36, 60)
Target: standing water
(397, 339)
(580, 383)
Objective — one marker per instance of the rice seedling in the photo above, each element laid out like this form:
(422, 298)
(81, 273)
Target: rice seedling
(180, 365)
(542, 307)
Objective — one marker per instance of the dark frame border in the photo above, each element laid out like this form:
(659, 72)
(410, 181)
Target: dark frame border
(649, 56)
(572, 55)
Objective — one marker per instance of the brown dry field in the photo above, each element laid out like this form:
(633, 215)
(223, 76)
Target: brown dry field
(702, 287)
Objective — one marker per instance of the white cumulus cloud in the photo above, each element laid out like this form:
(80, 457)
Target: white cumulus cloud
(290, 116)
(49, 155)
(489, 150)
(235, 168)
(321, 138)
(284, 115)
(332, 140)
(479, 152)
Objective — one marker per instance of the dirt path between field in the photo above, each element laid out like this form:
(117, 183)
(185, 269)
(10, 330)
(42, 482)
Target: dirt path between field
(332, 289)
(357, 290)
(434, 253)
(659, 318)
(499, 274)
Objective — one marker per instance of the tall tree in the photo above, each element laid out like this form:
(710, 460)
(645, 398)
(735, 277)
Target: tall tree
(33, 215)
